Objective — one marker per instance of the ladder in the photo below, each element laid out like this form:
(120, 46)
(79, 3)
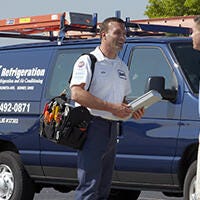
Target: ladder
(74, 25)
(28, 27)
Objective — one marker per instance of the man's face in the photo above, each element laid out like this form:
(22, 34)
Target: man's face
(115, 36)
(196, 37)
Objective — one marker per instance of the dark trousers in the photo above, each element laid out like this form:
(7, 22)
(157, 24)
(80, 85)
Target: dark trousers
(96, 161)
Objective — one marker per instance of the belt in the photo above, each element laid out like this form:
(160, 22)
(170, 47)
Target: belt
(104, 120)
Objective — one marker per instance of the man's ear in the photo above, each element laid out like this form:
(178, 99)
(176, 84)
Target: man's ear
(103, 35)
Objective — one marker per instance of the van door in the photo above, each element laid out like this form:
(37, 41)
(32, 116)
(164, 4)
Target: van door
(55, 158)
(146, 147)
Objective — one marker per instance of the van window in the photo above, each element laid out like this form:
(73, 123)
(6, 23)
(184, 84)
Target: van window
(62, 69)
(145, 62)
(189, 60)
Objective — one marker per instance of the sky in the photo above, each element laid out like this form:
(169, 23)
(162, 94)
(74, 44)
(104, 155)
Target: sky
(104, 8)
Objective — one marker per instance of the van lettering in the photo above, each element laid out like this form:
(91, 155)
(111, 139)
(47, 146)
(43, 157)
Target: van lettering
(16, 72)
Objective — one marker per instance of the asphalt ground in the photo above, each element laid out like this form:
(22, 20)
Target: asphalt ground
(51, 194)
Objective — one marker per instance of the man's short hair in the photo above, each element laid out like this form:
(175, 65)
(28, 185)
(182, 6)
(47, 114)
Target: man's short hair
(104, 25)
(197, 19)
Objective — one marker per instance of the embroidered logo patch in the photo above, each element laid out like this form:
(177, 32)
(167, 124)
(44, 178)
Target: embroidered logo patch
(122, 74)
(81, 64)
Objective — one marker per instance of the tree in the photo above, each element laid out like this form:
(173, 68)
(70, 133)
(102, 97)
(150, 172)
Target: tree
(169, 8)
(193, 7)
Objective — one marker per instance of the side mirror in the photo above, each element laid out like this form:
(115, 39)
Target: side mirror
(158, 83)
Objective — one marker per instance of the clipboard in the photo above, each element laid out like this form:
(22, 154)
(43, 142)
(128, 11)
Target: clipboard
(146, 100)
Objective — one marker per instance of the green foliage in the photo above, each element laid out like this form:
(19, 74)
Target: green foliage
(193, 7)
(169, 8)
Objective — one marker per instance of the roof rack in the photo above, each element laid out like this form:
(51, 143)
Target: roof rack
(151, 29)
(29, 27)
(74, 25)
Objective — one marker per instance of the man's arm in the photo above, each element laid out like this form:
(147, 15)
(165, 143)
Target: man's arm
(86, 99)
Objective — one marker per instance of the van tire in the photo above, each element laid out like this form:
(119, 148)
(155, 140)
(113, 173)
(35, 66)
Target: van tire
(14, 178)
(117, 194)
(189, 183)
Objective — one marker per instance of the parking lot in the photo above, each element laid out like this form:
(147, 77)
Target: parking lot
(51, 194)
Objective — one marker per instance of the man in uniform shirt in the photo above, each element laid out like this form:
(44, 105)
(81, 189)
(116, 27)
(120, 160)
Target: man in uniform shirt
(196, 45)
(106, 102)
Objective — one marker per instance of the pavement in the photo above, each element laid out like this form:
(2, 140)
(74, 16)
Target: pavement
(51, 194)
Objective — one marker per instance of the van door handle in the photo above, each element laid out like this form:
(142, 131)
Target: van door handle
(183, 124)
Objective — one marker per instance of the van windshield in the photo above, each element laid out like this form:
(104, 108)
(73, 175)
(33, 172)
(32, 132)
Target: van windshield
(189, 60)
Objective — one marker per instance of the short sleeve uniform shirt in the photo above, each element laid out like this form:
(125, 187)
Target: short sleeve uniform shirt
(110, 80)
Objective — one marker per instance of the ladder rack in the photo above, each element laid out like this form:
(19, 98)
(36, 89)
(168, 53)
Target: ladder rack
(154, 29)
(27, 27)
(74, 25)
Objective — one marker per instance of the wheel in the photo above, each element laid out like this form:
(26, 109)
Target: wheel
(190, 182)
(15, 183)
(116, 194)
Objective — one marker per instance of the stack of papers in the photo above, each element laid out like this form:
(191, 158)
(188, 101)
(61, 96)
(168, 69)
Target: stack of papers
(145, 100)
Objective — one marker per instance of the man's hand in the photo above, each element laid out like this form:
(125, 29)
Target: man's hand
(121, 110)
(138, 113)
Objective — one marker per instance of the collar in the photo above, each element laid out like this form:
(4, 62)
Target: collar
(100, 57)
